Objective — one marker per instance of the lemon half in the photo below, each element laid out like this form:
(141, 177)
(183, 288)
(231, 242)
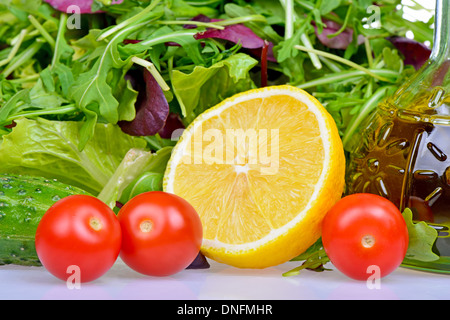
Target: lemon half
(261, 168)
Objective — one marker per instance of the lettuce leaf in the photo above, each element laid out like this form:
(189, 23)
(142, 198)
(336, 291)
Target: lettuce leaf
(421, 239)
(140, 171)
(50, 149)
(205, 87)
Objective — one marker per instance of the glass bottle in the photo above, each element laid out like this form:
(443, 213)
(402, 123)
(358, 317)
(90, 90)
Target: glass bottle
(402, 150)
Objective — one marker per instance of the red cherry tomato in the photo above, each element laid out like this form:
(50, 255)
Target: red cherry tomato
(78, 234)
(364, 230)
(161, 233)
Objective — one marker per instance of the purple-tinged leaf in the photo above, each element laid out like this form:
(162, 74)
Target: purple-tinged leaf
(341, 41)
(173, 123)
(236, 33)
(152, 108)
(84, 6)
(415, 53)
(199, 262)
(199, 18)
(131, 41)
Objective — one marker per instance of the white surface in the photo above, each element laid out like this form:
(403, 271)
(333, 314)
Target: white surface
(222, 282)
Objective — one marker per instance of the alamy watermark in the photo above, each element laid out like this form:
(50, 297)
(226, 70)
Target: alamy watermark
(374, 279)
(74, 19)
(243, 149)
(74, 279)
(374, 21)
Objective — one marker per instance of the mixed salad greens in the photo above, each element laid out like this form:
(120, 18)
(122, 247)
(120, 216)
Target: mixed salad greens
(91, 91)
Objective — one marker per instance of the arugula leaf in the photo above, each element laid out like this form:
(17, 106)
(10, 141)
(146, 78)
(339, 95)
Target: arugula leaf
(165, 34)
(61, 59)
(263, 29)
(96, 92)
(314, 259)
(330, 5)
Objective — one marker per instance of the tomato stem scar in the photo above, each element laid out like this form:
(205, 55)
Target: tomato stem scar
(95, 224)
(146, 226)
(368, 241)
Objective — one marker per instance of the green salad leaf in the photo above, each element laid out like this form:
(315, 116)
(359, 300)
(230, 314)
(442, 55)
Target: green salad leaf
(421, 239)
(205, 87)
(139, 171)
(50, 149)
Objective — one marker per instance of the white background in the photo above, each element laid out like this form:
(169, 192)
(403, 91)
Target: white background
(222, 282)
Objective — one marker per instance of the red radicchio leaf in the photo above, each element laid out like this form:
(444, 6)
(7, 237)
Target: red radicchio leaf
(236, 33)
(415, 53)
(199, 262)
(173, 123)
(130, 41)
(152, 107)
(341, 41)
(84, 5)
(264, 76)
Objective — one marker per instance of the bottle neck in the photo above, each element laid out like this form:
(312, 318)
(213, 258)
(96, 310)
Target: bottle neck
(441, 47)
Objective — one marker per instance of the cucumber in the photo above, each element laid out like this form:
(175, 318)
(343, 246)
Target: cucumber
(23, 202)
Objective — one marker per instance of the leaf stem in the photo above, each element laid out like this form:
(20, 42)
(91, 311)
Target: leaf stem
(133, 19)
(23, 57)
(15, 48)
(62, 24)
(30, 78)
(152, 69)
(42, 31)
(365, 110)
(289, 17)
(368, 52)
(243, 19)
(36, 113)
(195, 23)
(167, 37)
(312, 55)
(344, 25)
(342, 60)
(346, 76)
